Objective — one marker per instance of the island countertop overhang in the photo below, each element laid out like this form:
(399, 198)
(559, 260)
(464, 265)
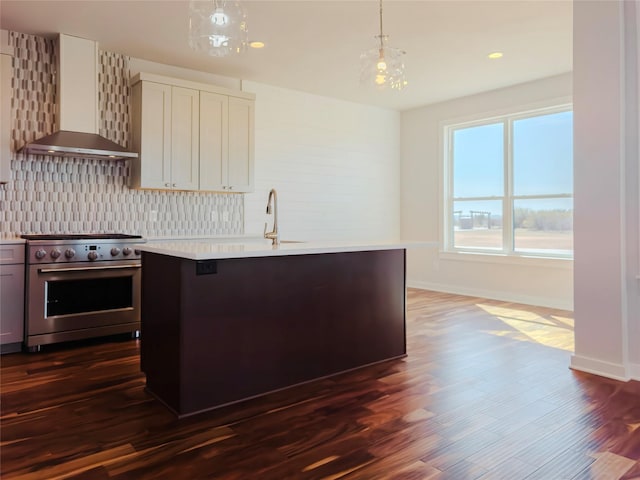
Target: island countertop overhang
(202, 249)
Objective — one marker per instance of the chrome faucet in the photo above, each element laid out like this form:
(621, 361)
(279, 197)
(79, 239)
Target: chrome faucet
(273, 235)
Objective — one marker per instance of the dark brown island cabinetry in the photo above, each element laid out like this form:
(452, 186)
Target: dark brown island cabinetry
(216, 332)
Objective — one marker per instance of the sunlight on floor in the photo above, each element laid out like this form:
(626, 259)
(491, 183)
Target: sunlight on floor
(552, 330)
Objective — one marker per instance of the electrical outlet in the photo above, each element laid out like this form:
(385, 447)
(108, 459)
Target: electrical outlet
(206, 267)
(153, 215)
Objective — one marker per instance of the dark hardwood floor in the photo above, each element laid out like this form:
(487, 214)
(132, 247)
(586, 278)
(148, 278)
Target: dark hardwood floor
(484, 393)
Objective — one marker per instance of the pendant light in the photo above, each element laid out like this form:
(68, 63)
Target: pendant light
(218, 27)
(382, 66)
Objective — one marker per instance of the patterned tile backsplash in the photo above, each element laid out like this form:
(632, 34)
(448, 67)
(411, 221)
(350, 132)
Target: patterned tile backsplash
(68, 195)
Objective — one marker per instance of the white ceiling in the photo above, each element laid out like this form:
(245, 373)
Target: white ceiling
(314, 46)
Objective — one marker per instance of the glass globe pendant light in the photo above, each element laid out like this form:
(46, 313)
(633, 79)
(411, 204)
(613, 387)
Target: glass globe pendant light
(218, 27)
(382, 66)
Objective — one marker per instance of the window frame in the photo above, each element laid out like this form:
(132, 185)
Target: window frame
(507, 249)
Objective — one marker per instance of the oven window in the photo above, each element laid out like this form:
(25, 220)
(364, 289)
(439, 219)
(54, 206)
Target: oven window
(83, 296)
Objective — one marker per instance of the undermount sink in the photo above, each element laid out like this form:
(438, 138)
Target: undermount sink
(284, 242)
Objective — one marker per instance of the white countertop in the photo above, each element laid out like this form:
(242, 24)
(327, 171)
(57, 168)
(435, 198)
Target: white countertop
(11, 240)
(214, 238)
(212, 249)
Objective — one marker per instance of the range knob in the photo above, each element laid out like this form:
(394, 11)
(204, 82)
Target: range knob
(55, 253)
(115, 251)
(137, 252)
(92, 256)
(69, 253)
(40, 254)
(126, 251)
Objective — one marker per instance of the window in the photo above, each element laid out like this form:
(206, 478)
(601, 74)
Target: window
(509, 184)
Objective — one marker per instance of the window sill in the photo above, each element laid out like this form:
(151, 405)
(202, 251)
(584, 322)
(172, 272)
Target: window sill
(503, 259)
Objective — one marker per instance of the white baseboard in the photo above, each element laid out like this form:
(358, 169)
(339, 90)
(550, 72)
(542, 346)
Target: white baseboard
(599, 367)
(493, 294)
(634, 371)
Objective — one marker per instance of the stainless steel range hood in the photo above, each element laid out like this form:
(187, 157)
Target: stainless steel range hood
(77, 108)
(78, 144)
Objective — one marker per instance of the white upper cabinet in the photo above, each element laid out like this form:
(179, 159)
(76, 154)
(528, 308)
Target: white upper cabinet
(6, 93)
(151, 119)
(185, 118)
(191, 136)
(241, 115)
(165, 134)
(226, 143)
(214, 144)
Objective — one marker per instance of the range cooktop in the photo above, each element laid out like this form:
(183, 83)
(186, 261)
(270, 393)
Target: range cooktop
(79, 236)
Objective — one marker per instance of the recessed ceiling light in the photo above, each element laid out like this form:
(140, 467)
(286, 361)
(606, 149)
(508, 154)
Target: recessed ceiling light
(256, 44)
(494, 55)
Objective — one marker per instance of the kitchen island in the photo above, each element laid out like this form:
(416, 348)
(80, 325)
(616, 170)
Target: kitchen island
(224, 322)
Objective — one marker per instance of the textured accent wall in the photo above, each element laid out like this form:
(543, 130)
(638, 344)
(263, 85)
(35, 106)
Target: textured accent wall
(69, 195)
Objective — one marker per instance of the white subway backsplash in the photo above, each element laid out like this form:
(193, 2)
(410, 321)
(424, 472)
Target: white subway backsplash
(69, 195)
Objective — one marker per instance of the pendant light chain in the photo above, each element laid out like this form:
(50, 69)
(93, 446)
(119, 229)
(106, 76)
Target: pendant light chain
(381, 34)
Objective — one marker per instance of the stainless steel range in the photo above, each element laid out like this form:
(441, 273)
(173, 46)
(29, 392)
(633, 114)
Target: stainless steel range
(81, 286)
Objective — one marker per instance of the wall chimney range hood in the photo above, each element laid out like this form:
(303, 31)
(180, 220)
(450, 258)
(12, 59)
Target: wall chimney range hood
(77, 144)
(77, 107)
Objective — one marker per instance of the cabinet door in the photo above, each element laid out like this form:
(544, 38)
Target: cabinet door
(214, 147)
(5, 120)
(240, 144)
(185, 147)
(11, 303)
(155, 136)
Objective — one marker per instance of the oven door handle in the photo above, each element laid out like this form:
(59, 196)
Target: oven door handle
(87, 269)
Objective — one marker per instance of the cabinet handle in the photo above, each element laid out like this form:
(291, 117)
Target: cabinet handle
(173, 185)
(86, 269)
(230, 187)
(167, 184)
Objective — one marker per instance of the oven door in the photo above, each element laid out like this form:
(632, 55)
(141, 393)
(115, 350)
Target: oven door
(81, 300)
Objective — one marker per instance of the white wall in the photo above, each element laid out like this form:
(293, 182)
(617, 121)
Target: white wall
(606, 223)
(335, 165)
(547, 283)
(633, 198)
